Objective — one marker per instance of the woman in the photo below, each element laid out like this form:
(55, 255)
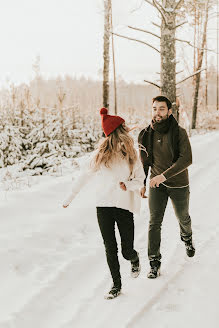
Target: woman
(119, 177)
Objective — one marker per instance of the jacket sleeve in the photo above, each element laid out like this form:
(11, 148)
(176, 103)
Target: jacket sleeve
(136, 180)
(185, 156)
(143, 155)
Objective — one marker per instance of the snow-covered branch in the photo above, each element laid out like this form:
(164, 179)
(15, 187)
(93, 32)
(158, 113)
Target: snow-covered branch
(155, 24)
(185, 22)
(136, 9)
(156, 5)
(132, 39)
(188, 77)
(151, 3)
(191, 45)
(186, 41)
(162, 7)
(180, 72)
(142, 30)
(178, 4)
(156, 85)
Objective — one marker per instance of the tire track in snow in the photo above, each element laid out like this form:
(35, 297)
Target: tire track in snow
(141, 317)
(56, 295)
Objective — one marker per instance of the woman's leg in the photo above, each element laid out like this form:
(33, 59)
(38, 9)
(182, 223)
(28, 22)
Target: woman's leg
(106, 221)
(125, 225)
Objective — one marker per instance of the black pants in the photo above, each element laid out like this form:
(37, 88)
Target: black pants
(158, 198)
(107, 216)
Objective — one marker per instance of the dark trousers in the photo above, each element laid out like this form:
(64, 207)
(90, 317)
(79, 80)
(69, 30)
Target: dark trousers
(158, 198)
(107, 217)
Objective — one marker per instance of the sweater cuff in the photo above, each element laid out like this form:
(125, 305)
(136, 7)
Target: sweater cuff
(163, 176)
(68, 200)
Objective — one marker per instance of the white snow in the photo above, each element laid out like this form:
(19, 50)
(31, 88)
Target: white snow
(53, 271)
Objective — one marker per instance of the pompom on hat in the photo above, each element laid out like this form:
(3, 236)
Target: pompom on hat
(109, 122)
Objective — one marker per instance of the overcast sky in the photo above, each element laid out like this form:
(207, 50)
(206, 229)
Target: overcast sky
(68, 36)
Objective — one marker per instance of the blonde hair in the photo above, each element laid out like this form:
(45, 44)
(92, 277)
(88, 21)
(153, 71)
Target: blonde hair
(119, 144)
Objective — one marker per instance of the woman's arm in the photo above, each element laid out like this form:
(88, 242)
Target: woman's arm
(137, 179)
(78, 184)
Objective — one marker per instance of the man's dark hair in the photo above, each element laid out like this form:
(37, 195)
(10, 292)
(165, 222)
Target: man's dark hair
(163, 98)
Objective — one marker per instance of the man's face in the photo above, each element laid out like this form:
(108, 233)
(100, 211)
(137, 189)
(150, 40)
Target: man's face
(160, 111)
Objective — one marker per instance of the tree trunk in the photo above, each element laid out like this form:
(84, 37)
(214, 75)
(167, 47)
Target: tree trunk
(200, 60)
(206, 77)
(106, 57)
(168, 54)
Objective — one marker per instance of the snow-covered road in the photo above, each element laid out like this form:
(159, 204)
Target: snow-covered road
(53, 271)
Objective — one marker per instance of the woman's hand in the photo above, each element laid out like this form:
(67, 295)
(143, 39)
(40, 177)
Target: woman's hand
(122, 186)
(142, 192)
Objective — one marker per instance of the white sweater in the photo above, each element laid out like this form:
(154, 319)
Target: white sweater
(106, 189)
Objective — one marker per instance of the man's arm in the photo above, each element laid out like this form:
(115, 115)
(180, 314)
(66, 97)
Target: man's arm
(185, 156)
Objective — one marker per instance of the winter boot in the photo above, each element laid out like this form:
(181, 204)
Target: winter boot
(190, 249)
(135, 267)
(155, 269)
(114, 292)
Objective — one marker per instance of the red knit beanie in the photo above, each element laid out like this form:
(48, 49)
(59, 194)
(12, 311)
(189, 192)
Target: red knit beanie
(109, 122)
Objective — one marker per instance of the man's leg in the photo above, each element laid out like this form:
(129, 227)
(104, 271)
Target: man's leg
(158, 198)
(180, 201)
(106, 220)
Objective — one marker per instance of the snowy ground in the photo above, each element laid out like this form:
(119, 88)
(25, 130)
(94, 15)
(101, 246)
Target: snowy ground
(53, 272)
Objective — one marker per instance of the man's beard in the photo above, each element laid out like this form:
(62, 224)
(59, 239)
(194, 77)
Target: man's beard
(163, 125)
(162, 119)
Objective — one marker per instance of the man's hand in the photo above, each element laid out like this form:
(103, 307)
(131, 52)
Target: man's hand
(122, 186)
(155, 182)
(142, 192)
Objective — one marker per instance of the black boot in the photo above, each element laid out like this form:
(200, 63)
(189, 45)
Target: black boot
(155, 269)
(190, 249)
(114, 292)
(135, 267)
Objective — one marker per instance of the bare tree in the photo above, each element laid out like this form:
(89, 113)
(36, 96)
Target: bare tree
(61, 96)
(168, 10)
(106, 57)
(202, 40)
(114, 64)
(13, 92)
(217, 29)
(170, 20)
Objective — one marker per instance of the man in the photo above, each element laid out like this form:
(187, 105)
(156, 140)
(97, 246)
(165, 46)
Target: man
(165, 147)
